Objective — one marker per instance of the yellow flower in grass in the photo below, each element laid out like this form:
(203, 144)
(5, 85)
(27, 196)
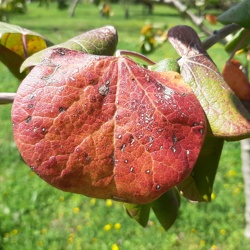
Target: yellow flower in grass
(109, 203)
(76, 210)
(115, 247)
(231, 173)
(71, 238)
(202, 243)
(117, 226)
(39, 243)
(236, 191)
(93, 201)
(7, 235)
(214, 247)
(107, 227)
(15, 232)
(223, 232)
(212, 196)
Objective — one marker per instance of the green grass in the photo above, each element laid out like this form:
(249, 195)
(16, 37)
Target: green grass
(34, 215)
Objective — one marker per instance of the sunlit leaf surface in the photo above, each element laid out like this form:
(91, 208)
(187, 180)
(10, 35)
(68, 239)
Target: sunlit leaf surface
(227, 116)
(106, 127)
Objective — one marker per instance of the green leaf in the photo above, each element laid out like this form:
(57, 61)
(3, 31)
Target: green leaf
(101, 41)
(199, 185)
(138, 212)
(226, 114)
(239, 14)
(166, 208)
(12, 61)
(239, 41)
(17, 44)
(167, 64)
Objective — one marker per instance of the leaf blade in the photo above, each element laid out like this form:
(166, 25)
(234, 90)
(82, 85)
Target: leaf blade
(109, 128)
(101, 41)
(227, 116)
(239, 14)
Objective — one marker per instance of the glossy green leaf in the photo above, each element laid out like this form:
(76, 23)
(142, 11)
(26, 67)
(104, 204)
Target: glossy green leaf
(166, 208)
(199, 185)
(101, 41)
(227, 116)
(239, 41)
(239, 14)
(138, 212)
(167, 64)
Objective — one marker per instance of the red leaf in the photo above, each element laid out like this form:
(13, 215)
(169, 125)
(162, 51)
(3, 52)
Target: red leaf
(236, 79)
(106, 127)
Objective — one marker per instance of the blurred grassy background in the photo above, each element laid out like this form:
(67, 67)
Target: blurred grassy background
(34, 215)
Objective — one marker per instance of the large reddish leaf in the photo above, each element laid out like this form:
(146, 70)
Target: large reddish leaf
(226, 114)
(106, 127)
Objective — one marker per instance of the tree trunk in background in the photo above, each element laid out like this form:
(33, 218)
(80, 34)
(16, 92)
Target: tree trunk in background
(73, 7)
(245, 157)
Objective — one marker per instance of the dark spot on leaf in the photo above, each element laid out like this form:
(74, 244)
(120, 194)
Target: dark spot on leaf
(112, 159)
(123, 147)
(43, 130)
(32, 96)
(61, 52)
(28, 119)
(88, 159)
(61, 109)
(174, 138)
(173, 149)
(30, 106)
(104, 89)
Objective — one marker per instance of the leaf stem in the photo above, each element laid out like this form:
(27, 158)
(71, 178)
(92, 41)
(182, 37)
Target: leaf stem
(6, 98)
(25, 49)
(134, 54)
(219, 35)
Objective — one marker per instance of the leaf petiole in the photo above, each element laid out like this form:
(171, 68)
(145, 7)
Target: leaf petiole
(134, 54)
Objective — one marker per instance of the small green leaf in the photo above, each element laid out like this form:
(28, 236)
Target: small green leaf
(167, 64)
(239, 14)
(166, 208)
(240, 41)
(138, 212)
(100, 41)
(199, 185)
(227, 116)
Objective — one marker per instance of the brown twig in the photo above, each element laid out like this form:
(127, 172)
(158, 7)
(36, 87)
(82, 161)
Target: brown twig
(6, 98)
